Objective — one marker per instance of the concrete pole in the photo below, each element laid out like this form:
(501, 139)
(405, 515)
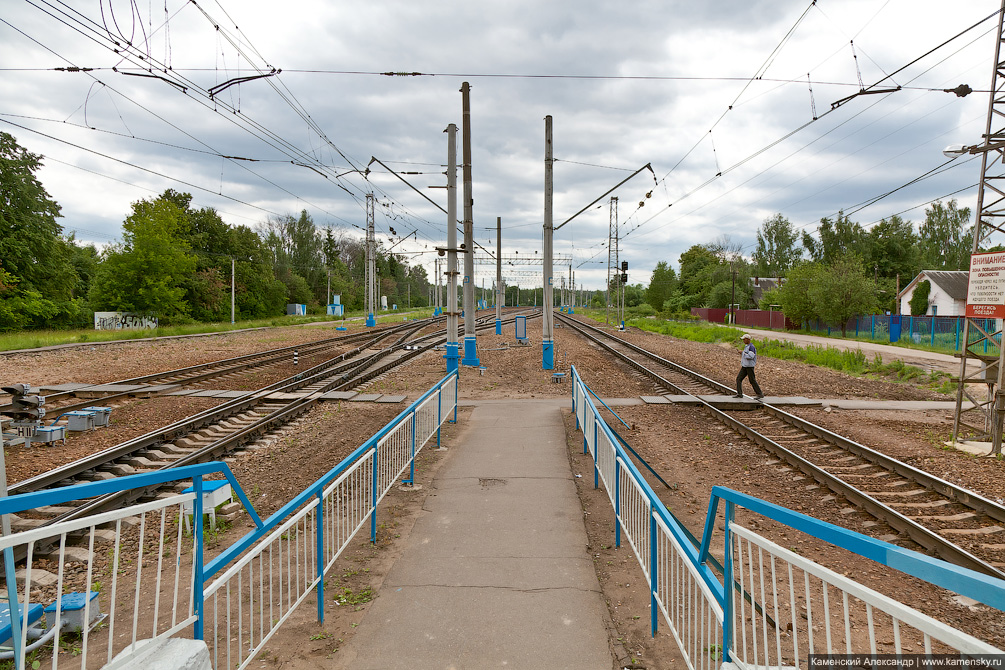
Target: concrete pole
(451, 307)
(500, 296)
(470, 341)
(548, 318)
(232, 291)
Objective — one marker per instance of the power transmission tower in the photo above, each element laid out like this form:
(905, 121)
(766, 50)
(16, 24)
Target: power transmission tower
(371, 265)
(612, 237)
(982, 328)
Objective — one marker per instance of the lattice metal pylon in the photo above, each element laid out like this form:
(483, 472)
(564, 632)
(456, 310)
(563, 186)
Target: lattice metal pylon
(982, 337)
(612, 252)
(371, 259)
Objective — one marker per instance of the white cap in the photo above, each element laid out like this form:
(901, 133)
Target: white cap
(746, 336)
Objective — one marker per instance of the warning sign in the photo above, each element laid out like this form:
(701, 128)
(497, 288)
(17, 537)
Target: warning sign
(986, 288)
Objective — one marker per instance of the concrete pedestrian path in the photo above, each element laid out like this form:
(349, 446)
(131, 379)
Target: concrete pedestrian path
(495, 573)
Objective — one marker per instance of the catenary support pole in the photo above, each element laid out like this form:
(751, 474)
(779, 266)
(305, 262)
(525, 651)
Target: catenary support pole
(500, 296)
(547, 317)
(232, 291)
(470, 341)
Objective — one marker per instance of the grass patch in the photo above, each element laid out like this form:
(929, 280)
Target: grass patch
(851, 361)
(33, 339)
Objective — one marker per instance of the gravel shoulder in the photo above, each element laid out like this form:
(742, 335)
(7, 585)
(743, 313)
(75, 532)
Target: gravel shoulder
(689, 451)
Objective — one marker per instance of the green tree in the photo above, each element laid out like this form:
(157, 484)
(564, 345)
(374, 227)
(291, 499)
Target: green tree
(776, 248)
(842, 290)
(298, 253)
(40, 277)
(698, 267)
(258, 293)
(661, 286)
(794, 294)
(893, 249)
(147, 272)
(946, 238)
(837, 237)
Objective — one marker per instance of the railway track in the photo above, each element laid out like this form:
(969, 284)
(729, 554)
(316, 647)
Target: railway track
(229, 427)
(942, 518)
(66, 401)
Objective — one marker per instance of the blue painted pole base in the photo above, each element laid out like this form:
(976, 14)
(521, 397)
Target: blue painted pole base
(471, 352)
(452, 356)
(548, 354)
(498, 327)
(370, 321)
(572, 310)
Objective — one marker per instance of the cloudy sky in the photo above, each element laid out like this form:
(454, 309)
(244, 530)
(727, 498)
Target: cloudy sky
(718, 97)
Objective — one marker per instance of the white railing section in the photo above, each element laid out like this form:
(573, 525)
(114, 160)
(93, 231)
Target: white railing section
(686, 602)
(137, 564)
(246, 605)
(814, 610)
(679, 587)
(776, 607)
(148, 573)
(634, 514)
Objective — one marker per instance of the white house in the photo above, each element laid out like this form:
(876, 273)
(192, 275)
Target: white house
(947, 297)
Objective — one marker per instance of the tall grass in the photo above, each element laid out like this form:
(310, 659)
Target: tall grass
(852, 361)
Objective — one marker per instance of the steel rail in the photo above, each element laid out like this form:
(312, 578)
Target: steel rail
(234, 364)
(259, 427)
(924, 537)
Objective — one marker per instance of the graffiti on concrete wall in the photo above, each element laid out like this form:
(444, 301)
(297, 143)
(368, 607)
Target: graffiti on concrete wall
(123, 321)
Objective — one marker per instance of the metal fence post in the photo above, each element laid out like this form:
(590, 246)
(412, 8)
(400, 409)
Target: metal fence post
(574, 412)
(439, 414)
(596, 454)
(617, 505)
(727, 584)
(411, 472)
(198, 604)
(653, 572)
(320, 567)
(373, 501)
(457, 383)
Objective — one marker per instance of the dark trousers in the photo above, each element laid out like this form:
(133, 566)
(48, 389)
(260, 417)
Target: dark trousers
(747, 372)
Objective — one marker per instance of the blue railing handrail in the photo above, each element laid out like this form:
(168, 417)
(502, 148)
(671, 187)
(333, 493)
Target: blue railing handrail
(25, 501)
(964, 581)
(654, 502)
(316, 488)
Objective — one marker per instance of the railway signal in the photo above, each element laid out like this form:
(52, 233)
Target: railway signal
(24, 408)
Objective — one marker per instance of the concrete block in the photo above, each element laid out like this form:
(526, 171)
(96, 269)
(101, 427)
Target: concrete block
(174, 653)
(119, 469)
(38, 577)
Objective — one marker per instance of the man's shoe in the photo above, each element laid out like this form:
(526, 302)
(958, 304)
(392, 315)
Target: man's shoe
(738, 396)
(758, 397)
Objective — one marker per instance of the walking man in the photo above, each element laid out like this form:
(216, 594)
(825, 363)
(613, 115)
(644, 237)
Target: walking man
(748, 359)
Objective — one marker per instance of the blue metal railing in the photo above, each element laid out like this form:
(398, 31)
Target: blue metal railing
(644, 535)
(418, 423)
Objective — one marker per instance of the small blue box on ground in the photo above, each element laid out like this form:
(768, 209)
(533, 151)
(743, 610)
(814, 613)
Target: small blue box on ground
(72, 617)
(34, 614)
(101, 415)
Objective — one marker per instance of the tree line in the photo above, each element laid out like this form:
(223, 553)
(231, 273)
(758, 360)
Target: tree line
(845, 271)
(174, 261)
